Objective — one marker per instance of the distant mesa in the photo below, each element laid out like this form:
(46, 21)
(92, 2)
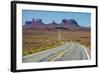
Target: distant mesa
(66, 24)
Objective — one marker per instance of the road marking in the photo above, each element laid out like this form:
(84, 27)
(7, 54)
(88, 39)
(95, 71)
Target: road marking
(34, 60)
(61, 54)
(86, 53)
(49, 57)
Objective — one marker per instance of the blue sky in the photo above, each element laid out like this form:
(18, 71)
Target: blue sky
(83, 19)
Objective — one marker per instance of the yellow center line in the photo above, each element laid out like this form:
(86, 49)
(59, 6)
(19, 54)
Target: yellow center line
(60, 54)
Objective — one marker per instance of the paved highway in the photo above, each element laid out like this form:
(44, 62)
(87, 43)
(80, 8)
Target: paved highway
(65, 52)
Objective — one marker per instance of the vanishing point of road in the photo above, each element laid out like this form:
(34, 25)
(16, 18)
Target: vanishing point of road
(65, 52)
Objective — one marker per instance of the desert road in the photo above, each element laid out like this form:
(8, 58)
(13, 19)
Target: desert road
(65, 52)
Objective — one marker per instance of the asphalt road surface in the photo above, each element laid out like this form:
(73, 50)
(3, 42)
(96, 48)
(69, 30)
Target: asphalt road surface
(65, 52)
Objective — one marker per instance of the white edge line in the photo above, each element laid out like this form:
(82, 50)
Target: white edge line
(86, 53)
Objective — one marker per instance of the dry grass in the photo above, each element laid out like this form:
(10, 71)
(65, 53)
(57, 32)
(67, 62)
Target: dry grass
(36, 41)
(82, 37)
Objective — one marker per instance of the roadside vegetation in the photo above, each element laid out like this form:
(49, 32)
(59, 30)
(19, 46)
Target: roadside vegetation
(36, 41)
